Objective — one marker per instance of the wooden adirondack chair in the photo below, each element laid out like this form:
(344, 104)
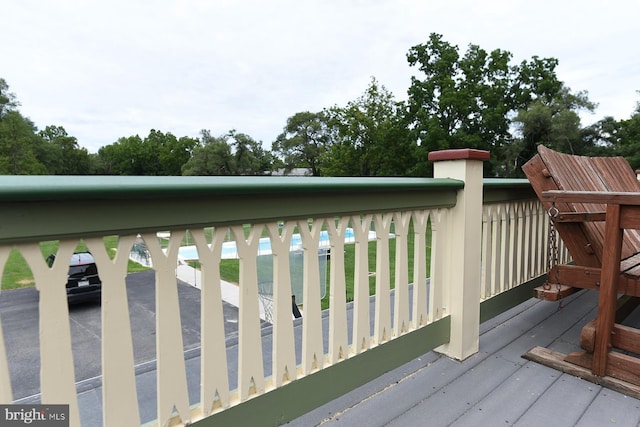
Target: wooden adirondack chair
(595, 206)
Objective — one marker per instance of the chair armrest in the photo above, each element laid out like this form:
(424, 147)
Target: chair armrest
(580, 216)
(599, 197)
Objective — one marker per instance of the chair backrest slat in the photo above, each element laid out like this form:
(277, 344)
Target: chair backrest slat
(550, 170)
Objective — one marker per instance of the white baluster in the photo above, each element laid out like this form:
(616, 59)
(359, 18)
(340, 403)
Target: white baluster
(6, 395)
(401, 222)
(312, 350)
(284, 353)
(504, 248)
(496, 233)
(338, 341)
(520, 248)
(214, 385)
(528, 241)
(438, 291)
(119, 397)
(57, 375)
(512, 248)
(382, 322)
(250, 369)
(171, 371)
(361, 328)
(485, 269)
(420, 219)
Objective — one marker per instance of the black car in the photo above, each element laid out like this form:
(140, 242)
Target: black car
(83, 282)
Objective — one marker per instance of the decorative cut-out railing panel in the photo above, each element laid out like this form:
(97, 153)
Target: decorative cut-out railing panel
(368, 258)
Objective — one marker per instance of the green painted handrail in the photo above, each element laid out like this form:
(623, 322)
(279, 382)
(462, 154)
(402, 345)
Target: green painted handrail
(497, 190)
(37, 208)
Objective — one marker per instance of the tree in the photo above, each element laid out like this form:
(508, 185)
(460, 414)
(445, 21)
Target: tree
(606, 138)
(369, 136)
(468, 101)
(61, 154)
(17, 143)
(172, 152)
(231, 154)
(250, 157)
(157, 154)
(126, 156)
(303, 142)
(18, 139)
(211, 157)
(7, 99)
(553, 122)
(627, 138)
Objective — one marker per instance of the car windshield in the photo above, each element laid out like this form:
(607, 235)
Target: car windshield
(83, 270)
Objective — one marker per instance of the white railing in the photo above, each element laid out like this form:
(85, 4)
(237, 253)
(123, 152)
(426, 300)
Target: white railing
(503, 241)
(515, 245)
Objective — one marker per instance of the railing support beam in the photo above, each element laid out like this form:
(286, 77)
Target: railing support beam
(462, 246)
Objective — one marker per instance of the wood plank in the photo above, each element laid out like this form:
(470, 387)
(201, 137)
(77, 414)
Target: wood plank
(624, 367)
(629, 264)
(619, 168)
(572, 234)
(604, 175)
(580, 216)
(608, 289)
(623, 337)
(625, 306)
(621, 366)
(630, 216)
(554, 292)
(577, 276)
(578, 173)
(557, 361)
(589, 278)
(592, 197)
(626, 338)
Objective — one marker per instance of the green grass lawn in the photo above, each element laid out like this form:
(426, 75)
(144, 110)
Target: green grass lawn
(229, 268)
(17, 273)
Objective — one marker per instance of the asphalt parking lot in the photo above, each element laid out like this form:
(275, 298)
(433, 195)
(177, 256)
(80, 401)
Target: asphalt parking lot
(19, 316)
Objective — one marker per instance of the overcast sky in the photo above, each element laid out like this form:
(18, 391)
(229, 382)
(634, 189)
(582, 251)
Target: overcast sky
(108, 69)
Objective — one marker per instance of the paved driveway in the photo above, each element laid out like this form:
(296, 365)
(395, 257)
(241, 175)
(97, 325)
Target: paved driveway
(19, 315)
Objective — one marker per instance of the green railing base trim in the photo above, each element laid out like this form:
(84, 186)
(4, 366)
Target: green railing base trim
(507, 300)
(306, 394)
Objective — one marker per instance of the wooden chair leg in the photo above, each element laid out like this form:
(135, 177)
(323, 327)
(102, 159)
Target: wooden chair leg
(608, 289)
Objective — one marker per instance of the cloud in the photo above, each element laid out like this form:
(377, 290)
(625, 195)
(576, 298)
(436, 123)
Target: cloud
(106, 70)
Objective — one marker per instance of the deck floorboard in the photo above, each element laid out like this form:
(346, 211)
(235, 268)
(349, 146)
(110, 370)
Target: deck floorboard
(496, 386)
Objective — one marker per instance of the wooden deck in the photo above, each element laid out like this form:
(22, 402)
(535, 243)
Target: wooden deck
(495, 387)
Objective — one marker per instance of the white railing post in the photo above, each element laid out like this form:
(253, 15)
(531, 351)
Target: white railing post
(461, 245)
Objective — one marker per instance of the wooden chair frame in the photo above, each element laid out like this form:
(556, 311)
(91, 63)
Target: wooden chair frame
(598, 202)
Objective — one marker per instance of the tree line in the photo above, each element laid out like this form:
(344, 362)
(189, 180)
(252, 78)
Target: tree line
(473, 99)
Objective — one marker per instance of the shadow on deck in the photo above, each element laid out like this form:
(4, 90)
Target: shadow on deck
(495, 386)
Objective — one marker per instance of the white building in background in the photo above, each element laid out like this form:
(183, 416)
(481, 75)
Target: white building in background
(293, 172)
